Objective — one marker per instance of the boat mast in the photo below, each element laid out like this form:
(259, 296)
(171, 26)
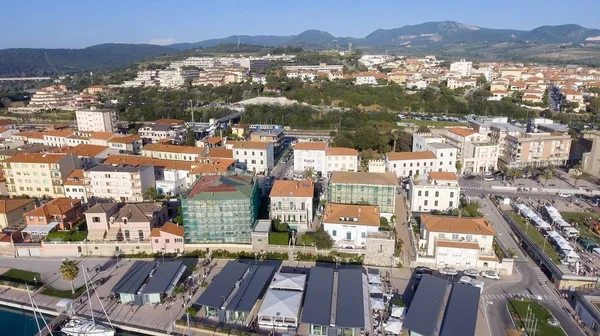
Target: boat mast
(104, 310)
(87, 289)
(33, 308)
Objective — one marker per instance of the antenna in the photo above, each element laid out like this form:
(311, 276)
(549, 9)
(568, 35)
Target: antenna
(238, 43)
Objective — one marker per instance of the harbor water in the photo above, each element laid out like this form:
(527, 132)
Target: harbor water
(16, 322)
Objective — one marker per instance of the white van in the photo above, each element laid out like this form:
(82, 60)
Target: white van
(473, 282)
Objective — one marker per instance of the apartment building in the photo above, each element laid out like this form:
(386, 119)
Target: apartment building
(421, 140)
(96, 120)
(292, 203)
(446, 156)
(124, 221)
(405, 164)
(360, 187)
(341, 159)
(459, 137)
(12, 211)
(170, 152)
(129, 144)
(50, 97)
(89, 155)
(75, 186)
(434, 191)
(60, 213)
(172, 130)
(456, 242)
(480, 157)
(499, 132)
(590, 163)
(221, 209)
(349, 224)
(536, 149)
(310, 155)
(38, 174)
(462, 68)
(120, 183)
(255, 156)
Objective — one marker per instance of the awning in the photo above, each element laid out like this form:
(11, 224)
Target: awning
(394, 328)
(373, 289)
(39, 230)
(96, 235)
(398, 312)
(377, 304)
(374, 279)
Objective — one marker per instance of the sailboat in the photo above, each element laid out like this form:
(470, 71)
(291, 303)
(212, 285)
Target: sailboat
(81, 326)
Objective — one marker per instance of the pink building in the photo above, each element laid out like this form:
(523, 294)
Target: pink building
(168, 238)
(124, 221)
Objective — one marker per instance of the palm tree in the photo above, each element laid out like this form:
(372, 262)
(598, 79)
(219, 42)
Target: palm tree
(547, 175)
(505, 171)
(514, 173)
(151, 194)
(69, 272)
(309, 173)
(529, 170)
(577, 174)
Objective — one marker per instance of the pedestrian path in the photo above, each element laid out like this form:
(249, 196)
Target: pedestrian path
(539, 275)
(525, 295)
(471, 188)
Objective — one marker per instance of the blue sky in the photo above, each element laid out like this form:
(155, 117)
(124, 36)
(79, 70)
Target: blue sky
(81, 23)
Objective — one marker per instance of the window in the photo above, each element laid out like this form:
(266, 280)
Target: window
(435, 203)
(349, 235)
(141, 234)
(363, 235)
(40, 219)
(451, 194)
(95, 219)
(454, 236)
(450, 204)
(333, 233)
(451, 154)
(31, 218)
(437, 194)
(441, 154)
(179, 240)
(156, 241)
(167, 241)
(127, 235)
(425, 203)
(426, 193)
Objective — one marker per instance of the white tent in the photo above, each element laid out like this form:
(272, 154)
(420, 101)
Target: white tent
(374, 279)
(394, 327)
(597, 251)
(377, 304)
(571, 254)
(374, 289)
(288, 281)
(280, 309)
(541, 223)
(398, 312)
(552, 234)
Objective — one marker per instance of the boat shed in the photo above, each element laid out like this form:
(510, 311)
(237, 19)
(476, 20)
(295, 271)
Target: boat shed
(426, 308)
(317, 300)
(149, 282)
(129, 285)
(461, 312)
(162, 281)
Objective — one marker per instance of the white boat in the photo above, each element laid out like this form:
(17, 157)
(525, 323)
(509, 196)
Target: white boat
(81, 326)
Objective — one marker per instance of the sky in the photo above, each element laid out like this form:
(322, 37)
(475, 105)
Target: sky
(81, 23)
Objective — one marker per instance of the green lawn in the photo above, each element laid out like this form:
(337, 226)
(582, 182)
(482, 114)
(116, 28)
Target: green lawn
(65, 294)
(434, 123)
(582, 219)
(18, 278)
(537, 237)
(518, 310)
(67, 236)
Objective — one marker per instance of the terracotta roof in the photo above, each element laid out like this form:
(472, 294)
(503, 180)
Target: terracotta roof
(169, 121)
(57, 207)
(174, 149)
(571, 92)
(36, 158)
(36, 135)
(477, 226)
(445, 176)
(490, 258)
(101, 135)
(462, 131)
(214, 140)
(125, 139)
(85, 150)
(75, 178)
(401, 156)
(23, 134)
(458, 244)
(310, 146)
(214, 166)
(8, 205)
(283, 188)
(341, 151)
(346, 213)
(220, 153)
(249, 144)
(6, 122)
(137, 160)
(387, 178)
(172, 228)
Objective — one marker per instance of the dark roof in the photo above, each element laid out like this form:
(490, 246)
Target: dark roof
(461, 311)
(350, 302)
(317, 301)
(163, 277)
(222, 285)
(135, 277)
(425, 309)
(251, 289)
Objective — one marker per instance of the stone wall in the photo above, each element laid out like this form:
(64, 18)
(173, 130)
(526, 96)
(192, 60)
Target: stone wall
(379, 249)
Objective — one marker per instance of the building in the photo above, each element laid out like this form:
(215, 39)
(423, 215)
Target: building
(38, 174)
(96, 120)
(51, 97)
(590, 162)
(456, 242)
(587, 308)
(376, 166)
(122, 183)
(434, 191)
(405, 164)
(12, 211)
(422, 140)
(124, 221)
(310, 155)
(167, 239)
(359, 187)
(536, 149)
(427, 307)
(480, 157)
(62, 213)
(221, 209)
(95, 89)
(459, 137)
(349, 224)
(148, 282)
(341, 159)
(75, 186)
(89, 155)
(170, 152)
(282, 303)
(254, 156)
(172, 130)
(462, 68)
(292, 203)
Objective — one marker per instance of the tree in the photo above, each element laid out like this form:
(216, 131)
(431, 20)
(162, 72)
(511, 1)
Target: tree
(151, 194)
(190, 139)
(384, 222)
(547, 175)
(577, 174)
(191, 311)
(458, 166)
(69, 272)
(323, 240)
(481, 80)
(423, 129)
(309, 173)
(514, 173)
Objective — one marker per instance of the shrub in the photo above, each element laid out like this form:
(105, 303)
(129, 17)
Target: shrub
(279, 238)
(307, 239)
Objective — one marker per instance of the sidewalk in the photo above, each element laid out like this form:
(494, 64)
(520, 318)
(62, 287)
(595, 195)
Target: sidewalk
(402, 228)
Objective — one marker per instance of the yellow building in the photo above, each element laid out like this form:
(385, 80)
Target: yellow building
(536, 149)
(38, 174)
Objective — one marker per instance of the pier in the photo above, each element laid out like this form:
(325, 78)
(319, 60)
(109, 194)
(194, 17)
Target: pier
(56, 322)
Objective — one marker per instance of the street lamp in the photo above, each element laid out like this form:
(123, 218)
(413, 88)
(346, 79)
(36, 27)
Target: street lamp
(392, 267)
(35, 281)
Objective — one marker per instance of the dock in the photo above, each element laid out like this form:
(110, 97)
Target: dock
(53, 325)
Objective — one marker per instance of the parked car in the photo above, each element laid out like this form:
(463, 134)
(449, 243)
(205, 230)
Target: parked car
(489, 178)
(448, 271)
(420, 270)
(471, 272)
(490, 275)
(561, 194)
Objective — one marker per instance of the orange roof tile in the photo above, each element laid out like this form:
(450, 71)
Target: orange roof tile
(462, 131)
(125, 139)
(341, 151)
(444, 176)
(36, 158)
(7, 122)
(478, 226)
(8, 205)
(283, 188)
(401, 156)
(169, 121)
(214, 140)
(63, 133)
(101, 135)
(172, 228)
(57, 207)
(75, 178)
(214, 166)
(310, 146)
(341, 213)
(220, 153)
(85, 150)
(174, 149)
(249, 144)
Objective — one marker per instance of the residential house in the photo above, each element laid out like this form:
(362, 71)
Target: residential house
(292, 203)
(536, 149)
(168, 238)
(12, 211)
(310, 155)
(341, 159)
(405, 164)
(349, 224)
(89, 155)
(124, 221)
(170, 152)
(75, 186)
(434, 191)
(122, 183)
(62, 213)
(421, 140)
(172, 130)
(254, 156)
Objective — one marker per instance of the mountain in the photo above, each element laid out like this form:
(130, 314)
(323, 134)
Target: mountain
(562, 34)
(269, 40)
(46, 62)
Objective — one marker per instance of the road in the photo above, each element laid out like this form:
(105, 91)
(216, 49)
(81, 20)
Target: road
(532, 283)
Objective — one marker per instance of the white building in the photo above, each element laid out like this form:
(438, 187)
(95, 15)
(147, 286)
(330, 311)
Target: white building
(172, 182)
(292, 203)
(445, 155)
(436, 191)
(480, 157)
(376, 166)
(256, 156)
(119, 183)
(96, 120)
(310, 155)
(75, 186)
(462, 68)
(462, 243)
(341, 159)
(405, 164)
(421, 140)
(459, 137)
(176, 77)
(365, 79)
(169, 129)
(349, 224)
